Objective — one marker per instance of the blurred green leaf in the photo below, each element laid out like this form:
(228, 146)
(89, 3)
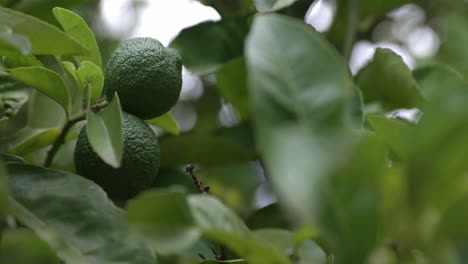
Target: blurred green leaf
(269, 216)
(21, 61)
(357, 111)
(272, 5)
(201, 148)
(45, 38)
(255, 251)
(232, 84)
(104, 131)
(90, 76)
(4, 191)
(45, 81)
(23, 246)
(205, 47)
(235, 261)
(43, 112)
(13, 44)
(74, 86)
(74, 216)
(8, 158)
(300, 96)
(230, 7)
(436, 78)
(387, 80)
(40, 140)
(307, 252)
(78, 30)
(163, 218)
(394, 133)
(211, 215)
(166, 122)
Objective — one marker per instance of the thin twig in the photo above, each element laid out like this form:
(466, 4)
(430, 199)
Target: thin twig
(201, 189)
(66, 128)
(201, 256)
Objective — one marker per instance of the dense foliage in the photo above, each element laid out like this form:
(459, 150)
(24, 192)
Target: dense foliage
(354, 181)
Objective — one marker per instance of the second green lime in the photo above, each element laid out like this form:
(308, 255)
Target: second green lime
(146, 75)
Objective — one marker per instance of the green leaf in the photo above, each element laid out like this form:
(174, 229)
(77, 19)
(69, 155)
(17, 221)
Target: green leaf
(21, 61)
(300, 95)
(387, 80)
(43, 112)
(306, 252)
(235, 261)
(45, 81)
(74, 87)
(267, 217)
(188, 148)
(77, 29)
(23, 246)
(74, 216)
(45, 38)
(435, 79)
(253, 250)
(394, 133)
(4, 191)
(13, 44)
(175, 231)
(40, 140)
(357, 111)
(232, 84)
(166, 122)
(205, 47)
(90, 75)
(105, 134)
(272, 5)
(211, 215)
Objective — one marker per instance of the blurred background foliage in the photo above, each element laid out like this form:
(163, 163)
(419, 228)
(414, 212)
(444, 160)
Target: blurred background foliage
(215, 116)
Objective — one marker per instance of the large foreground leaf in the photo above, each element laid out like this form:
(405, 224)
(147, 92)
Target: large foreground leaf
(13, 44)
(300, 90)
(45, 38)
(74, 216)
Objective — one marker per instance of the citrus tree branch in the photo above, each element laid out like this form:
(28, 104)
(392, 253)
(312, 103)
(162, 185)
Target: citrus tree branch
(64, 132)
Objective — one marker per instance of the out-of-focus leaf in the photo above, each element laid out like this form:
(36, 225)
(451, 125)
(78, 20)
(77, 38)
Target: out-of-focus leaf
(357, 112)
(436, 78)
(77, 29)
(23, 246)
(163, 218)
(21, 61)
(300, 96)
(230, 7)
(13, 44)
(45, 81)
(74, 87)
(167, 122)
(394, 133)
(207, 46)
(298, 9)
(8, 158)
(203, 149)
(211, 215)
(267, 217)
(90, 76)
(307, 252)
(235, 261)
(232, 84)
(74, 216)
(40, 140)
(45, 38)
(4, 190)
(13, 95)
(387, 80)
(255, 251)
(272, 5)
(43, 112)
(366, 12)
(104, 131)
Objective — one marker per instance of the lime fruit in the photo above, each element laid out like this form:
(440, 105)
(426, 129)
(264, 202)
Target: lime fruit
(140, 161)
(146, 75)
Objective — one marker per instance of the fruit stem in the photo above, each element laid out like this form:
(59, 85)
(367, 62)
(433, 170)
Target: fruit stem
(65, 129)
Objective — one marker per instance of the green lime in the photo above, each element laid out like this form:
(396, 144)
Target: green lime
(140, 162)
(146, 75)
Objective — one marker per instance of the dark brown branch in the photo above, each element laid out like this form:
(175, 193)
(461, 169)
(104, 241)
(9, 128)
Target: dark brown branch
(66, 128)
(201, 256)
(200, 187)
